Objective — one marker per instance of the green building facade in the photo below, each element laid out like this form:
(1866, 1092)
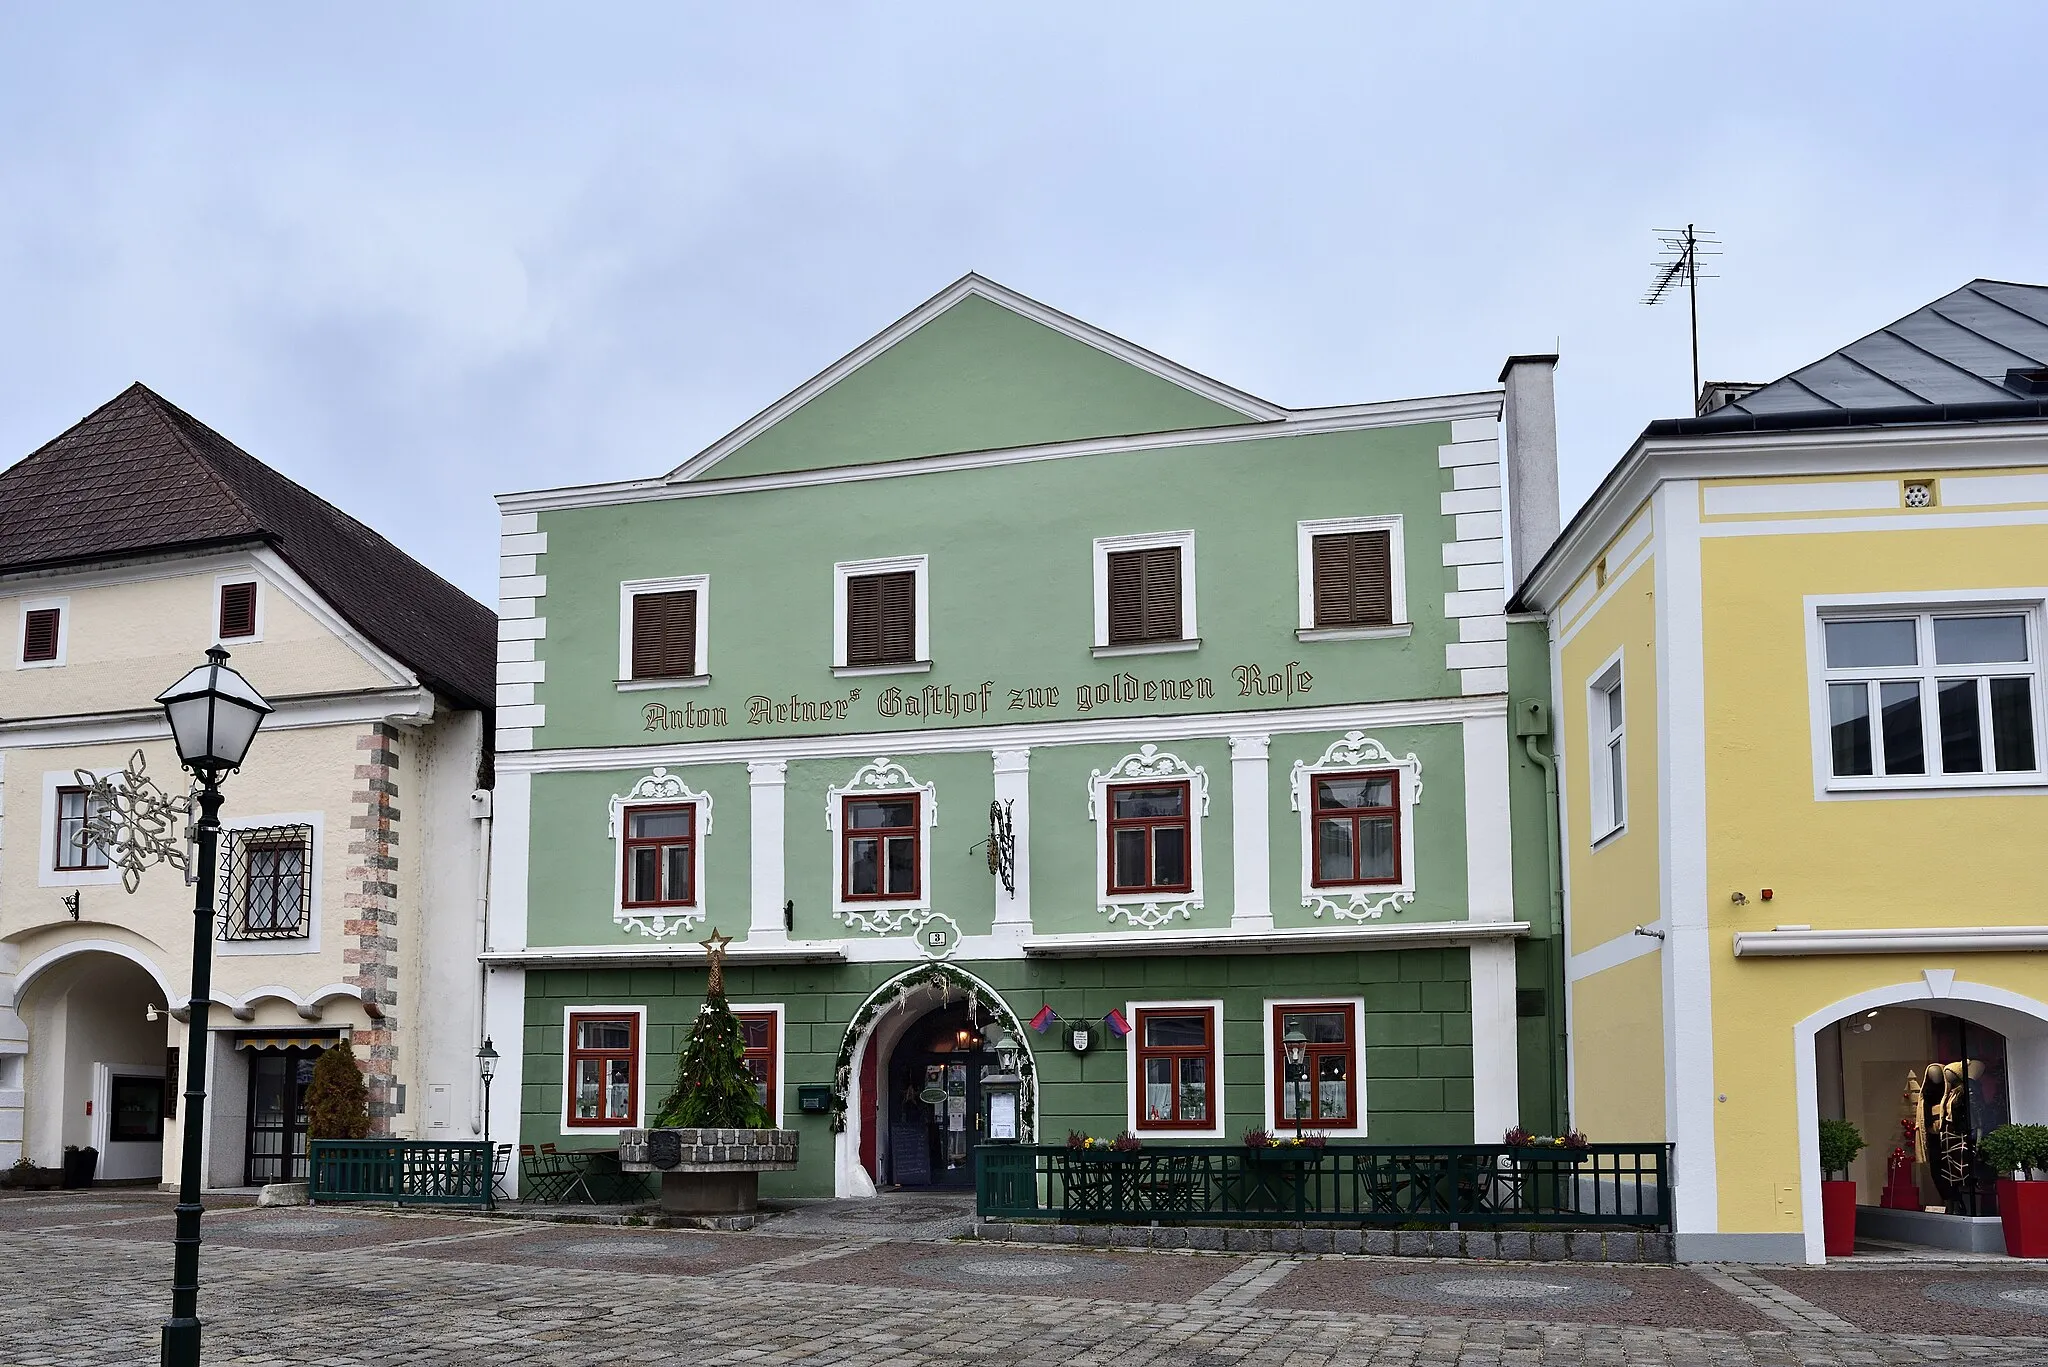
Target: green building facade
(1004, 673)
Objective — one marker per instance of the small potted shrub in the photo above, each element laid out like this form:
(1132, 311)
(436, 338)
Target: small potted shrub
(1840, 1142)
(2015, 1153)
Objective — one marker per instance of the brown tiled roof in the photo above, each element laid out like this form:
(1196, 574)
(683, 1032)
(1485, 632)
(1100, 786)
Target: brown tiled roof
(140, 476)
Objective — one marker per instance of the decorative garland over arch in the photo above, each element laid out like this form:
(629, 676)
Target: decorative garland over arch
(948, 979)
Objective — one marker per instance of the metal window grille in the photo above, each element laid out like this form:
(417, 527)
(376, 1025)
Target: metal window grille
(266, 883)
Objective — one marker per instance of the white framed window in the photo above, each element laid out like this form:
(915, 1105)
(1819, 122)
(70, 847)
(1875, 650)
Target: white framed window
(1356, 805)
(1145, 594)
(1173, 1069)
(268, 884)
(604, 1068)
(65, 863)
(881, 822)
(1325, 1092)
(44, 638)
(659, 829)
(1352, 580)
(237, 609)
(882, 616)
(1607, 749)
(1920, 695)
(1149, 809)
(665, 632)
(761, 1034)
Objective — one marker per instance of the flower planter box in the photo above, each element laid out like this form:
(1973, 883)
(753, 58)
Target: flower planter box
(1544, 1153)
(33, 1179)
(1101, 1155)
(1283, 1153)
(708, 1172)
(2023, 1211)
(1838, 1218)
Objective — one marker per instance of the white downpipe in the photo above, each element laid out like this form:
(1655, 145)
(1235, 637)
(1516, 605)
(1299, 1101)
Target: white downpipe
(482, 799)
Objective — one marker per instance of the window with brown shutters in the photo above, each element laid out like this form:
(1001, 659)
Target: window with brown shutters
(665, 635)
(1144, 595)
(39, 634)
(237, 610)
(1354, 580)
(881, 619)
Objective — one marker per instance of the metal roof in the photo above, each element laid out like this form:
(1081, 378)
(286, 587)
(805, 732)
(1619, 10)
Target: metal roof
(1956, 350)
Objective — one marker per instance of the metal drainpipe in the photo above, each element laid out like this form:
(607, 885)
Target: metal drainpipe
(1553, 863)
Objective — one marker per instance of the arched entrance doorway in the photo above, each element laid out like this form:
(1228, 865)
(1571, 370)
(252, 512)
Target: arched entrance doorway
(897, 1036)
(1924, 1070)
(96, 1063)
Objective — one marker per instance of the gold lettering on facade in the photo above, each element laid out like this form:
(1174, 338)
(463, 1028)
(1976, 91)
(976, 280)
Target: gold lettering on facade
(1252, 682)
(688, 717)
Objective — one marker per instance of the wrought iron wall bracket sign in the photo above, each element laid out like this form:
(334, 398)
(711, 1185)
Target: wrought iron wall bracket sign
(1001, 845)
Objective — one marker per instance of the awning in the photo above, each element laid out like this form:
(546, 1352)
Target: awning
(321, 1039)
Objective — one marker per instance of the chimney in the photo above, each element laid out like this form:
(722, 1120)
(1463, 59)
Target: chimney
(1530, 413)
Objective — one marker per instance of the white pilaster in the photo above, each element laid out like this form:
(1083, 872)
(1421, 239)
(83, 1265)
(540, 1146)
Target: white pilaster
(1013, 789)
(511, 830)
(1496, 1046)
(768, 779)
(1251, 825)
(13, 1061)
(1682, 798)
(1489, 877)
(1477, 551)
(505, 1026)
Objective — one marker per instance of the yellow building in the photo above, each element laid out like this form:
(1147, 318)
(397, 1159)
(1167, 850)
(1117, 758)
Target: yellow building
(1796, 657)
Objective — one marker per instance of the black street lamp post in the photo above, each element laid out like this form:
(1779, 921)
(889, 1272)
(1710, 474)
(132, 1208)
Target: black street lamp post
(487, 1068)
(214, 713)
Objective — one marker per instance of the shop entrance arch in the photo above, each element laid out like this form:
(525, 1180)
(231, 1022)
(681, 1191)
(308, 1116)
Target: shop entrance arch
(1969, 1057)
(902, 1017)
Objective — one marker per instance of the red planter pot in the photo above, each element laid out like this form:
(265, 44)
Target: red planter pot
(2023, 1210)
(1838, 1217)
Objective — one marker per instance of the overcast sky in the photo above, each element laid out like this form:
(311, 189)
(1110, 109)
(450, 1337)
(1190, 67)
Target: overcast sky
(413, 262)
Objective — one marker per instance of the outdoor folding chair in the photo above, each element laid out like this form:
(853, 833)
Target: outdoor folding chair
(573, 1172)
(544, 1176)
(501, 1160)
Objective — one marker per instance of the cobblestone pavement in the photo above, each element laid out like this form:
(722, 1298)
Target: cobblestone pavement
(87, 1285)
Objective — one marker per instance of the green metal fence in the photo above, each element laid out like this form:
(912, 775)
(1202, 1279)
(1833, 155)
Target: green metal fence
(406, 1172)
(1625, 1185)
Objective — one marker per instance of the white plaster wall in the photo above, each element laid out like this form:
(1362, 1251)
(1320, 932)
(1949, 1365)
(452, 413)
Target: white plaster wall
(439, 928)
(89, 1010)
(129, 634)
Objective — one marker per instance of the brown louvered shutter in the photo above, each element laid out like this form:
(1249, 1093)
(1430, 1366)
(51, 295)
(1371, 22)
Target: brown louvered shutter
(39, 634)
(1354, 580)
(1144, 596)
(665, 634)
(237, 611)
(881, 619)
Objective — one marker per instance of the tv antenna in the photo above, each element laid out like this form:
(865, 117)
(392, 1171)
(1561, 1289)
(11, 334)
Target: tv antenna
(1678, 263)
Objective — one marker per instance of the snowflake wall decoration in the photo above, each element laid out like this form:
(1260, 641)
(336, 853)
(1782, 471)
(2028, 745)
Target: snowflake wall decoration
(135, 822)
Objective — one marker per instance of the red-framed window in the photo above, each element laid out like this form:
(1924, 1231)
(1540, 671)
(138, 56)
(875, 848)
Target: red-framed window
(71, 853)
(1176, 1063)
(237, 610)
(1151, 838)
(659, 865)
(1321, 1092)
(880, 858)
(757, 1028)
(604, 1068)
(40, 633)
(1357, 828)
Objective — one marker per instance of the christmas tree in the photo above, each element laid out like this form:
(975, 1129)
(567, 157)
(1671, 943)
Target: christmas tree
(713, 1088)
(337, 1102)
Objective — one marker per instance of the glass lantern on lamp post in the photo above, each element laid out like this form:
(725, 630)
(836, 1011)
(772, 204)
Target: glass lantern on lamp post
(1297, 1071)
(214, 713)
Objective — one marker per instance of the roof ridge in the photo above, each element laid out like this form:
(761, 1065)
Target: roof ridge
(166, 413)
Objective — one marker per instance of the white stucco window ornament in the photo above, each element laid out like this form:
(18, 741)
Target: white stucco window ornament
(882, 856)
(1148, 766)
(1358, 753)
(660, 789)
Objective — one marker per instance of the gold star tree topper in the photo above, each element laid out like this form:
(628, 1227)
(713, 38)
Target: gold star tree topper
(714, 954)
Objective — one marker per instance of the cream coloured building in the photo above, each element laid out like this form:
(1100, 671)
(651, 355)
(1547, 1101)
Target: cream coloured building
(351, 879)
